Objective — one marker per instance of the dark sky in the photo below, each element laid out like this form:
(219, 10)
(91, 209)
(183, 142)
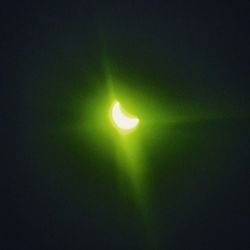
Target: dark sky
(60, 191)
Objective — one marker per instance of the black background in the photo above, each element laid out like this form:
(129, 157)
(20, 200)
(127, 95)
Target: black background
(55, 196)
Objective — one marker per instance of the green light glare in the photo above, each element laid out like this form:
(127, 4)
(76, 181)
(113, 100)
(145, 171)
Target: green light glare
(130, 150)
(131, 156)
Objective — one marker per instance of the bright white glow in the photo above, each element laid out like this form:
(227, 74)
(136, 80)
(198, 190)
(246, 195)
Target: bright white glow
(121, 120)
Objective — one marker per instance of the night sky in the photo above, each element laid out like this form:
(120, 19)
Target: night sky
(61, 183)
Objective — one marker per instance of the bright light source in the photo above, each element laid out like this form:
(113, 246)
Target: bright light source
(123, 121)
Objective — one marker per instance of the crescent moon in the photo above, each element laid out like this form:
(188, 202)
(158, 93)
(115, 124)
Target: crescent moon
(122, 121)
